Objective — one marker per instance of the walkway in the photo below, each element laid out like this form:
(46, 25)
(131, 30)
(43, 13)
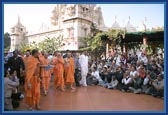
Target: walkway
(96, 98)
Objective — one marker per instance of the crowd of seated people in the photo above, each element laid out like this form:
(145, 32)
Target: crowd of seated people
(136, 74)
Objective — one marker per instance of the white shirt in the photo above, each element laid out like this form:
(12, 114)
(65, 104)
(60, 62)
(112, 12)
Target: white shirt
(83, 60)
(118, 61)
(50, 58)
(127, 80)
(146, 80)
(96, 75)
(133, 73)
(143, 59)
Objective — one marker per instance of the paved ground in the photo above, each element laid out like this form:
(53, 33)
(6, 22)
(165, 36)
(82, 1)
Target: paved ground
(96, 98)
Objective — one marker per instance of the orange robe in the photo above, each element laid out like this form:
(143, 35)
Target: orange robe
(45, 74)
(69, 71)
(58, 72)
(32, 96)
(25, 63)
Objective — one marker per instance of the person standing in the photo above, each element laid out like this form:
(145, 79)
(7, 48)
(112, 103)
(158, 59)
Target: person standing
(15, 63)
(45, 73)
(58, 71)
(77, 69)
(83, 60)
(69, 71)
(32, 81)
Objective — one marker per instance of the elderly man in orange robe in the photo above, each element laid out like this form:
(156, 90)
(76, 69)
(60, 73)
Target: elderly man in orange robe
(45, 73)
(58, 72)
(32, 81)
(69, 71)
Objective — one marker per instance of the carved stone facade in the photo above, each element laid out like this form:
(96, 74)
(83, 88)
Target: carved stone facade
(18, 36)
(72, 21)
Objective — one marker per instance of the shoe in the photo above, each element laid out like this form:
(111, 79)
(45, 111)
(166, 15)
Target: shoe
(72, 88)
(31, 109)
(45, 93)
(21, 96)
(37, 107)
(63, 90)
(123, 90)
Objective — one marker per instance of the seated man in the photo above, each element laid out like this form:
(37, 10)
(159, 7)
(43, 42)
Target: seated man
(94, 78)
(158, 85)
(136, 80)
(113, 84)
(126, 82)
(106, 74)
(147, 87)
(119, 75)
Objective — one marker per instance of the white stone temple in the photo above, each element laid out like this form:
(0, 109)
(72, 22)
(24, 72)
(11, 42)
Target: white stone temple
(72, 21)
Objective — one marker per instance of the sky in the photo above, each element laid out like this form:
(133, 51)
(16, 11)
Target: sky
(32, 16)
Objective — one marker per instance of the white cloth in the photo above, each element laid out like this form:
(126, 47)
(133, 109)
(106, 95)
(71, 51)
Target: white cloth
(83, 60)
(96, 75)
(143, 59)
(50, 58)
(133, 73)
(118, 61)
(127, 80)
(146, 81)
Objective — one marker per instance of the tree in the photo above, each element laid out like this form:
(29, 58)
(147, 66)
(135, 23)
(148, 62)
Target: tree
(51, 44)
(28, 47)
(93, 30)
(7, 41)
(115, 35)
(96, 44)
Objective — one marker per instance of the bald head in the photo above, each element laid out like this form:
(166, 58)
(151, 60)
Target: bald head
(45, 55)
(27, 54)
(69, 55)
(58, 54)
(42, 52)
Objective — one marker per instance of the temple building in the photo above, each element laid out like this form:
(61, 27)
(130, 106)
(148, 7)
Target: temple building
(72, 21)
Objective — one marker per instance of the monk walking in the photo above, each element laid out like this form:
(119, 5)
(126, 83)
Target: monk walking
(58, 72)
(69, 71)
(45, 73)
(32, 81)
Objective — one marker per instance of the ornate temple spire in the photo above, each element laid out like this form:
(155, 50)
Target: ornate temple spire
(115, 18)
(129, 19)
(18, 19)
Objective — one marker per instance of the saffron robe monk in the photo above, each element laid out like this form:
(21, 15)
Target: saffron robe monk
(58, 71)
(32, 81)
(45, 73)
(69, 71)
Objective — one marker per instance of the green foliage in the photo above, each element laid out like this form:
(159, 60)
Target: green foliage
(7, 41)
(25, 47)
(115, 35)
(148, 49)
(95, 44)
(93, 29)
(96, 41)
(51, 44)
